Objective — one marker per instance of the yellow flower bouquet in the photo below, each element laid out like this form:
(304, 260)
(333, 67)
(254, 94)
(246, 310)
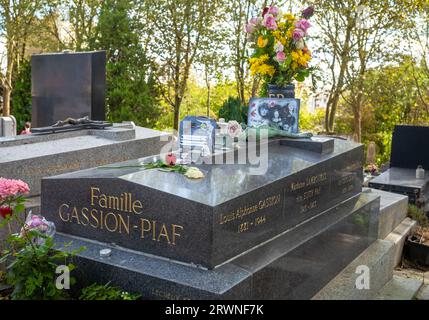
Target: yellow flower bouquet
(280, 52)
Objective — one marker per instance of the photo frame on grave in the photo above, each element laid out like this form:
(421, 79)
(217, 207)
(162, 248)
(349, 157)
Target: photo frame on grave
(197, 135)
(281, 113)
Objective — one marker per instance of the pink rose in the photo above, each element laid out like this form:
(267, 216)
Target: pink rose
(303, 24)
(234, 129)
(170, 159)
(298, 34)
(280, 56)
(270, 22)
(273, 10)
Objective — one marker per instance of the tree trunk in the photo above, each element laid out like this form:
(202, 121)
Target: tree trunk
(357, 124)
(334, 99)
(176, 117)
(7, 87)
(208, 100)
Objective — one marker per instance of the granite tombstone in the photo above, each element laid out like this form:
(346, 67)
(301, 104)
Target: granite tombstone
(68, 84)
(204, 222)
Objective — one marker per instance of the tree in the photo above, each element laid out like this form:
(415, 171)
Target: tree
(355, 35)
(175, 31)
(131, 90)
(16, 23)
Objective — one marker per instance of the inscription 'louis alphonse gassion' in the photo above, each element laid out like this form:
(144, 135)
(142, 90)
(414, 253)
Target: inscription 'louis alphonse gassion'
(121, 214)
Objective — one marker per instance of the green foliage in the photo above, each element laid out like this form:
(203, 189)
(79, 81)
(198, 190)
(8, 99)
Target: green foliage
(418, 215)
(106, 292)
(233, 110)
(21, 95)
(312, 122)
(32, 271)
(391, 98)
(131, 90)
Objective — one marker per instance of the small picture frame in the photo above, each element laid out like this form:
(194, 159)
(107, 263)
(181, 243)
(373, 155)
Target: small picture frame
(280, 113)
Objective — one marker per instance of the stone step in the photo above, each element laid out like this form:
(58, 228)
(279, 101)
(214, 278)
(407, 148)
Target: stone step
(393, 210)
(379, 260)
(398, 237)
(423, 293)
(400, 288)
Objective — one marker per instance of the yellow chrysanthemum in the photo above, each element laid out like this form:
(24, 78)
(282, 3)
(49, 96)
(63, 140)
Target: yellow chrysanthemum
(289, 33)
(262, 42)
(266, 69)
(289, 17)
(300, 58)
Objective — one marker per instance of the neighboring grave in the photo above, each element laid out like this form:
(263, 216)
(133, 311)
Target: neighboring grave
(283, 234)
(32, 157)
(69, 84)
(410, 149)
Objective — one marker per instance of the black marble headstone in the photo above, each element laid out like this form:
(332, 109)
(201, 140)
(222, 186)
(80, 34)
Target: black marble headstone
(410, 147)
(67, 85)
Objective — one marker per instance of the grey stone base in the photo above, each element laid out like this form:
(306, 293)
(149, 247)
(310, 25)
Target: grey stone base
(294, 265)
(33, 157)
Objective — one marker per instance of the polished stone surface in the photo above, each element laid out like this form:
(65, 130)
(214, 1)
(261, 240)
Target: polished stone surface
(294, 265)
(33, 157)
(67, 85)
(317, 144)
(208, 221)
(402, 181)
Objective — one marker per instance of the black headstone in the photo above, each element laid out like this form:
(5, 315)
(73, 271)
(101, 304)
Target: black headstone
(410, 147)
(68, 85)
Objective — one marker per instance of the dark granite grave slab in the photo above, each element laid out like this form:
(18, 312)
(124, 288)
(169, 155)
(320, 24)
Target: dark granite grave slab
(294, 265)
(205, 222)
(317, 144)
(402, 181)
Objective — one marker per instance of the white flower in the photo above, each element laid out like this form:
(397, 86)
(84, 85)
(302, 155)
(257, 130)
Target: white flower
(234, 129)
(300, 44)
(194, 173)
(278, 47)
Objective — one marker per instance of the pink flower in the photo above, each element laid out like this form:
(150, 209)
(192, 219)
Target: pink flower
(36, 221)
(252, 25)
(270, 22)
(298, 34)
(170, 159)
(303, 24)
(5, 211)
(10, 187)
(278, 46)
(280, 56)
(234, 129)
(273, 10)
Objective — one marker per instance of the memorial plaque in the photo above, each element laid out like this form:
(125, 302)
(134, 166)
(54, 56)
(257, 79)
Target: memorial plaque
(205, 222)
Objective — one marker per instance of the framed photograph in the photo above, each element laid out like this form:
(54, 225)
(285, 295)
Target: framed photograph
(282, 113)
(197, 133)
